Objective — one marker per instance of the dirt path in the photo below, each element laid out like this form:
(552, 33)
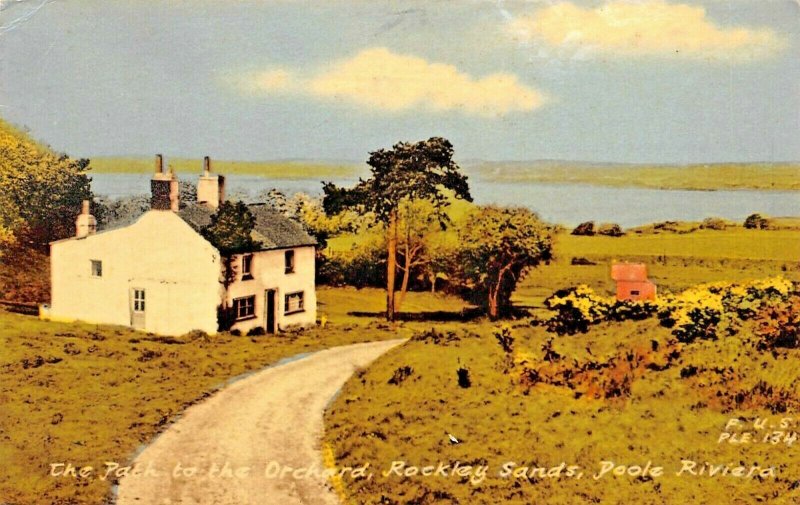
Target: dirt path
(272, 416)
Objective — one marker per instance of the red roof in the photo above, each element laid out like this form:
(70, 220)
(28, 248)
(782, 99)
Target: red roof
(629, 272)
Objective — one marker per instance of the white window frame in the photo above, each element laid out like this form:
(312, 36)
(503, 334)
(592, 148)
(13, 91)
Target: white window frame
(289, 266)
(96, 272)
(247, 273)
(246, 302)
(139, 300)
(301, 296)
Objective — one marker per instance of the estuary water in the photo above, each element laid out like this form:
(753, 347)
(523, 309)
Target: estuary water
(567, 204)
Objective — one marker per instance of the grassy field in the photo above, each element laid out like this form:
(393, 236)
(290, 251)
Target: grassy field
(671, 413)
(679, 400)
(675, 260)
(272, 169)
(87, 394)
(80, 393)
(776, 176)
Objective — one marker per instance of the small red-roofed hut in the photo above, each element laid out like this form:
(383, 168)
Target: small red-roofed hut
(632, 282)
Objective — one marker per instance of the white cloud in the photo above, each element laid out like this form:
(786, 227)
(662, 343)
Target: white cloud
(644, 28)
(377, 78)
(267, 81)
(273, 80)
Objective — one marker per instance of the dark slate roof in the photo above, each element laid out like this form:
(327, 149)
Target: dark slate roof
(272, 229)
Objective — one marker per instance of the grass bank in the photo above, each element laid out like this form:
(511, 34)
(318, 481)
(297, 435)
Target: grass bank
(670, 405)
(87, 394)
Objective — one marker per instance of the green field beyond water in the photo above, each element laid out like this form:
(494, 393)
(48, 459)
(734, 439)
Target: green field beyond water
(766, 176)
(272, 169)
(777, 176)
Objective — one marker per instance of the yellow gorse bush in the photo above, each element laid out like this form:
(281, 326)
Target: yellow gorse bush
(591, 306)
(693, 313)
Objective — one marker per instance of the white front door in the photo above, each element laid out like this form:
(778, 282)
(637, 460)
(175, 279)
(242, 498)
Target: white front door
(138, 304)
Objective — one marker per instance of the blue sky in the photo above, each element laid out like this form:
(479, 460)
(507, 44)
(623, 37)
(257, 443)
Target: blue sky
(619, 80)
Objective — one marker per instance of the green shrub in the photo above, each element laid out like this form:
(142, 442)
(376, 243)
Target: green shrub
(586, 228)
(576, 309)
(195, 335)
(363, 267)
(463, 378)
(701, 324)
(400, 375)
(628, 310)
(226, 317)
(504, 338)
(756, 222)
(713, 223)
(610, 230)
(700, 312)
(779, 325)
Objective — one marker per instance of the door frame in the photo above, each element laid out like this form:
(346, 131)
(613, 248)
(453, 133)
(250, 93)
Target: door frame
(271, 298)
(140, 314)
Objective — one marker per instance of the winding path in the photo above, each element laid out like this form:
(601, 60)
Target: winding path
(271, 416)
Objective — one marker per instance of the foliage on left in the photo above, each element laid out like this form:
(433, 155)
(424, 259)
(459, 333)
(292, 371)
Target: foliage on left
(40, 191)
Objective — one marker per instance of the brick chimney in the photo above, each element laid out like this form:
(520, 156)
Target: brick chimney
(85, 224)
(210, 187)
(164, 192)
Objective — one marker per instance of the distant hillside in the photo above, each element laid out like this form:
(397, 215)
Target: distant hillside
(773, 176)
(281, 169)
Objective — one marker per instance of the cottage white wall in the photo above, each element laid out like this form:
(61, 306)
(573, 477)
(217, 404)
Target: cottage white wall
(268, 270)
(160, 253)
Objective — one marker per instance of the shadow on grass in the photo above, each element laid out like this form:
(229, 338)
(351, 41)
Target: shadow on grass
(442, 316)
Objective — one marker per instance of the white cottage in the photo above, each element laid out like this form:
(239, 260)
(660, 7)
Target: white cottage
(160, 275)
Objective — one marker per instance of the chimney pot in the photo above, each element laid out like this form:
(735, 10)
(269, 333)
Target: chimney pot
(164, 189)
(210, 188)
(85, 223)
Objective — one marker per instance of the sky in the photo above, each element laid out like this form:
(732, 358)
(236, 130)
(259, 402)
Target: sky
(608, 81)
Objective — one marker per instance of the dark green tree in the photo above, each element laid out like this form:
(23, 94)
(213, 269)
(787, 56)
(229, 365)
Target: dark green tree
(497, 245)
(756, 222)
(187, 191)
(231, 228)
(409, 171)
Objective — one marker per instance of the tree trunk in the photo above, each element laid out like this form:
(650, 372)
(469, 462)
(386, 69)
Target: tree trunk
(493, 309)
(494, 293)
(391, 265)
(408, 260)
